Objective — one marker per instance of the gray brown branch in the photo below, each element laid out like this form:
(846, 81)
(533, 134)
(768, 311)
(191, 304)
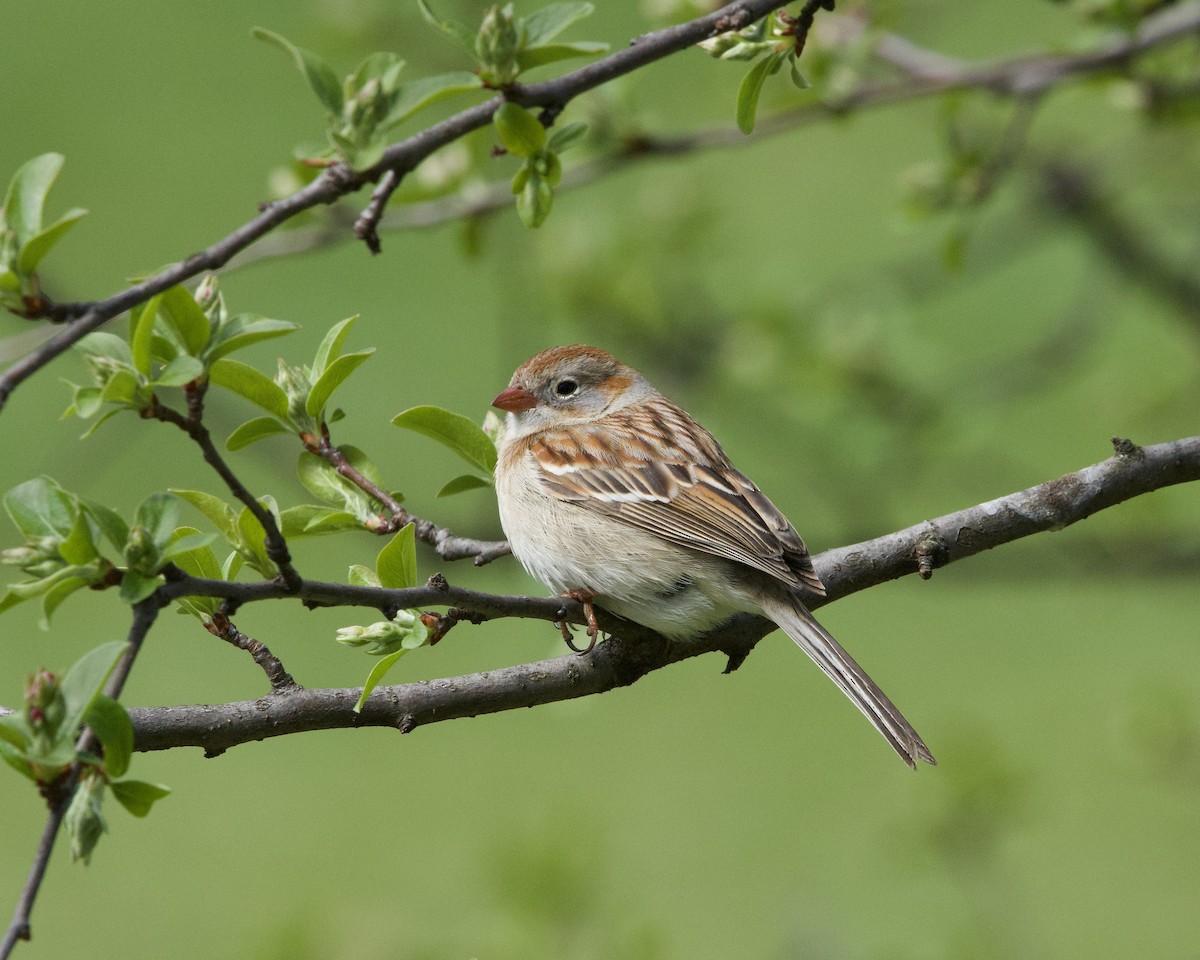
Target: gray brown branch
(633, 651)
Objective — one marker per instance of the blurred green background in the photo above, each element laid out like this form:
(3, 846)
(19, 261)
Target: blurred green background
(782, 293)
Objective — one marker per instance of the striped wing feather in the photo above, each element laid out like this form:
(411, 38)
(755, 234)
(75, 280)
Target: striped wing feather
(652, 466)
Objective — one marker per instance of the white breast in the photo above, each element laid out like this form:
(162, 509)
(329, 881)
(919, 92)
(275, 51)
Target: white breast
(632, 573)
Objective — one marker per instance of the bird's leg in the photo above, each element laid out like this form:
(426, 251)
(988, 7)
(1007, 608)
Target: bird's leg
(589, 614)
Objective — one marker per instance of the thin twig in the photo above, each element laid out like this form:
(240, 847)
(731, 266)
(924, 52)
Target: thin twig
(366, 226)
(281, 681)
(193, 426)
(447, 544)
(635, 651)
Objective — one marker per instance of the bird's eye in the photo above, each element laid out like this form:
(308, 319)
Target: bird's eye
(566, 388)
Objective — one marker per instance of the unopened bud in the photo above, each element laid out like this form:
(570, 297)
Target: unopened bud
(140, 552)
(85, 819)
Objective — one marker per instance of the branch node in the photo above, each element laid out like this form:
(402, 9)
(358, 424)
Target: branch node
(366, 227)
(931, 553)
(407, 724)
(1127, 449)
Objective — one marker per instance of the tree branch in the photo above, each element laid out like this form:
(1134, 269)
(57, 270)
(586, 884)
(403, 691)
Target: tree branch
(634, 651)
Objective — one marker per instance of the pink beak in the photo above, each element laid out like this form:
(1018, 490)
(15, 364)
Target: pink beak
(515, 399)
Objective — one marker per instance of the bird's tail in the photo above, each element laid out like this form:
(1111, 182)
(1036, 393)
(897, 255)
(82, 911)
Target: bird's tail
(799, 624)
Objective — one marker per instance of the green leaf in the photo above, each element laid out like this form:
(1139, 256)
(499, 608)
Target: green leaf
(452, 430)
(85, 403)
(463, 36)
(534, 201)
(252, 539)
(115, 530)
(123, 387)
(232, 565)
(40, 508)
(40, 244)
(14, 730)
(183, 369)
(332, 378)
(548, 22)
(219, 513)
(105, 344)
(331, 345)
(320, 75)
(53, 598)
(184, 543)
(419, 94)
(309, 520)
(79, 547)
(111, 725)
(16, 759)
(522, 132)
(243, 331)
(798, 79)
(136, 587)
(137, 796)
(256, 387)
(159, 515)
(468, 481)
(540, 55)
(378, 672)
(254, 430)
(564, 137)
(396, 563)
(186, 319)
(98, 423)
(751, 88)
(27, 195)
(323, 481)
(362, 576)
(381, 65)
(84, 682)
(198, 559)
(142, 320)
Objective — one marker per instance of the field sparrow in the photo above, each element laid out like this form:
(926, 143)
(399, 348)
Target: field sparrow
(610, 492)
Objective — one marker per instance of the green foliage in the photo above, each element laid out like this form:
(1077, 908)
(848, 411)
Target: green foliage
(395, 568)
(365, 107)
(506, 45)
(40, 743)
(176, 339)
(298, 396)
(349, 506)
(451, 430)
(524, 136)
(773, 39)
(24, 238)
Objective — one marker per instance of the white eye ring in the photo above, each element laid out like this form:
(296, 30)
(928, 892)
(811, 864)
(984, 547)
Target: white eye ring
(566, 387)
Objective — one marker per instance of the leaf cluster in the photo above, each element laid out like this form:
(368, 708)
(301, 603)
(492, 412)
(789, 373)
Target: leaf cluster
(24, 237)
(41, 743)
(506, 45)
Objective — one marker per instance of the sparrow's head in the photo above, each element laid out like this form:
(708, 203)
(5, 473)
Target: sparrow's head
(569, 385)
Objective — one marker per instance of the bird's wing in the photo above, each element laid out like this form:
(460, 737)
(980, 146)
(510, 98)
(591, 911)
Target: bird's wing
(653, 467)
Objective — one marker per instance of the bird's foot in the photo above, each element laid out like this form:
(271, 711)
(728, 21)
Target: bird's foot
(589, 614)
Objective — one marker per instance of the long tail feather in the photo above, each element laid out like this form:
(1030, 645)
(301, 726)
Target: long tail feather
(796, 621)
